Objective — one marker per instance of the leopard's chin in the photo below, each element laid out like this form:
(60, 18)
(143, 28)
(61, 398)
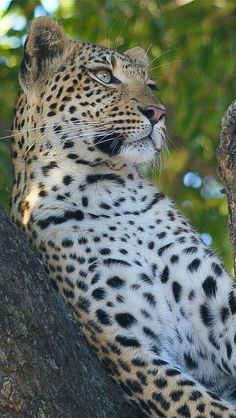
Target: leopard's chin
(140, 151)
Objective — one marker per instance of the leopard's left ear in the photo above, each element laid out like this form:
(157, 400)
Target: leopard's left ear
(45, 45)
(138, 54)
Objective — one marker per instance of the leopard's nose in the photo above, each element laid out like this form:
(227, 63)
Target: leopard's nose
(154, 113)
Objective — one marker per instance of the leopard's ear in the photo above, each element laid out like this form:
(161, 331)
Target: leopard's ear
(138, 54)
(44, 47)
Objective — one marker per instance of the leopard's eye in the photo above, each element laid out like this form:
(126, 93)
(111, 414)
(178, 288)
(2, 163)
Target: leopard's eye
(103, 75)
(153, 86)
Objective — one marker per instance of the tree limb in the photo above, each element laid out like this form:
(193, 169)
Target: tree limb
(226, 154)
(46, 368)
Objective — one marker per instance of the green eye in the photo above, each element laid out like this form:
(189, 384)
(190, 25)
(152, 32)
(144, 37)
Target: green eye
(103, 75)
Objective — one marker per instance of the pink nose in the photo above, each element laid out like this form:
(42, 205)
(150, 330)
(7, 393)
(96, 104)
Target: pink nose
(153, 112)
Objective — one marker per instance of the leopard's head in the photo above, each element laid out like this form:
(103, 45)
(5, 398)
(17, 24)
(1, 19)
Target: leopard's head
(87, 102)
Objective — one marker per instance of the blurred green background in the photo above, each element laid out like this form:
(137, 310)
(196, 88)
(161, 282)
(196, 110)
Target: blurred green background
(192, 48)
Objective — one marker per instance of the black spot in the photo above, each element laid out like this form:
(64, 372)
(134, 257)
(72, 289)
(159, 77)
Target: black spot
(51, 113)
(217, 269)
(165, 275)
(157, 197)
(213, 340)
(103, 317)
(184, 411)
(225, 366)
(72, 156)
(125, 320)
(195, 395)
(176, 395)
(190, 250)
(70, 268)
(191, 295)
(142, 377)
(206, 316)
(127, 342)
(228, 349)
(67, 243)
(56, 128)
(134, 385)
(69, 294)
(224, 314)
(171, 215)
(105, 206)
(82, 241)
(150, 298)
(112, 261)
(164, 248)
(209, 286)
(160, 399)
(56, 220)
(174, 259)
(67, 180)
(190, 363)
(120, 298)
(159, 362)
(105, 251)
(116, 282)
(66, 77)
(125, 389)
(81, 285)
(186, 382)
(150, 334)
(72, 109)
(232, 302)
(161, 235)
(151, 245)
(43, 193)
(95, 278)
(45, 169)
(145, 314)
(94, 178)
(194, 265)
(145, 278)
(161, 382)
(172, 372)
(85, 201)
(84, 162)
(201, 408)
(139, 362)
(83, 304)
(177, 290)
(157, 411)
(99, 293)
(124, 365)
(109, 144)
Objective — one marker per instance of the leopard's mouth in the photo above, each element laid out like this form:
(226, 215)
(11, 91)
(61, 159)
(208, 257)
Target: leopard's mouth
(157, 142)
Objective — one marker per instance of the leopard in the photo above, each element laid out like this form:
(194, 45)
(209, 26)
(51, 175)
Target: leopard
(151, 298)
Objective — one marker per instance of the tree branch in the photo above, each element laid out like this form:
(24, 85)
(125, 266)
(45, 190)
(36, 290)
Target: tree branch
(226, 154)
(46, 368)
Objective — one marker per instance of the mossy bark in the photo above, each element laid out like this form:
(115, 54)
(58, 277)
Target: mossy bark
(226, 154)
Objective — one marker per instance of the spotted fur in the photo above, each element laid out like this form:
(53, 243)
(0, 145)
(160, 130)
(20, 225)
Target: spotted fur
(153, 301)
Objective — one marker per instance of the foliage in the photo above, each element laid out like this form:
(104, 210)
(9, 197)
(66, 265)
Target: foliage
(191, 47)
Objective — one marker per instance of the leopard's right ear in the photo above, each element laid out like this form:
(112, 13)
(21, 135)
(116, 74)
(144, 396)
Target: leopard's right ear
(44, 48)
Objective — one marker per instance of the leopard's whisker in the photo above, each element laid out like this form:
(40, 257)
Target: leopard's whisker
(166, 63)
(163, 53)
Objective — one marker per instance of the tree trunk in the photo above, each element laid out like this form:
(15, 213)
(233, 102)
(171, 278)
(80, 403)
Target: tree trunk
(226, 154)
(46, 367)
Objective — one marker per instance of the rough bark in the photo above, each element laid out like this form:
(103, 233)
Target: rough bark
(46, 367)
(226, 154)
